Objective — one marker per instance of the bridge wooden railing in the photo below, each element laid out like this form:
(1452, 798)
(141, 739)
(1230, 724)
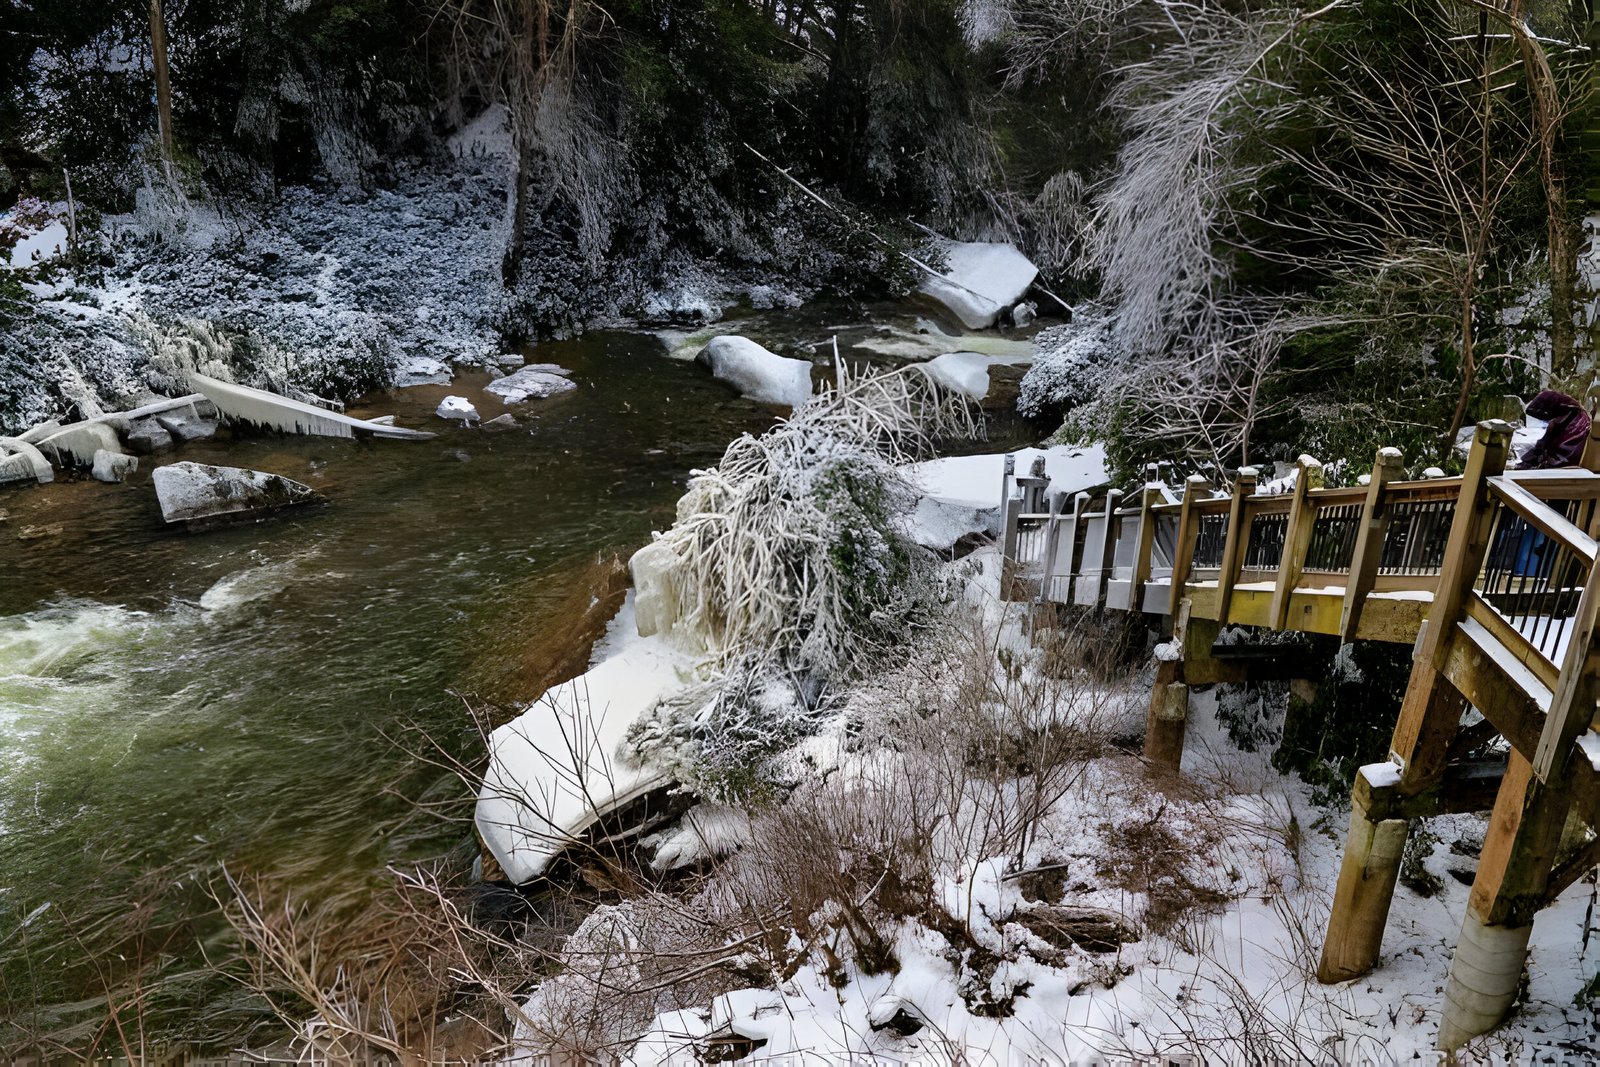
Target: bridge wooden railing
(1490, 576)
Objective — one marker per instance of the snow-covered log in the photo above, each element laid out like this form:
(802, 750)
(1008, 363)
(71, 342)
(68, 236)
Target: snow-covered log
(261, 408)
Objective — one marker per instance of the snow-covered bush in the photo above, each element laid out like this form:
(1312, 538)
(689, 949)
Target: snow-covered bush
(1072, 366)
(790, 565)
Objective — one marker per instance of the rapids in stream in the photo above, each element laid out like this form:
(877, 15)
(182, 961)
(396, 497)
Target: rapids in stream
(173, 702)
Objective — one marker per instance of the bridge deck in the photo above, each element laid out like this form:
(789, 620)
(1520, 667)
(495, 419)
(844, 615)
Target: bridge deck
(1490, 576)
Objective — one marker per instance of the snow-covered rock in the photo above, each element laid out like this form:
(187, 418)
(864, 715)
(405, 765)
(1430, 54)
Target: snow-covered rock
(458, 409)
(420, 370)
(537, 382)
(503, 421)
(146, 437)
(201, 494)
(1023, 314)
(966, 373)
(112, 466)
(562, 765)
(940, 525)
(758, 374)
(184, 429)
(982, 279)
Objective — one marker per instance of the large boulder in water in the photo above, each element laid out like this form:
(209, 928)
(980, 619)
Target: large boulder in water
(203, 495)
(762, 376)
(982, 279)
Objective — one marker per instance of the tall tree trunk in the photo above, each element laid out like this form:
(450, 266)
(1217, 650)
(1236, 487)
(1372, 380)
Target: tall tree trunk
(158, 57)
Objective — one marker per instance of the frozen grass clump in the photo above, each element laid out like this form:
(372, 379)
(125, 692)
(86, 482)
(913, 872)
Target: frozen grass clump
(790, 567)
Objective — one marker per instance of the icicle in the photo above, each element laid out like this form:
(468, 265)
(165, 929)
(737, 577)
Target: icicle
(274, 412)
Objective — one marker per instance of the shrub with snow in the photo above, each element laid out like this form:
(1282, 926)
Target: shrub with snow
(1071, 367)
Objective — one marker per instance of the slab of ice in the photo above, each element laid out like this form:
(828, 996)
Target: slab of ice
(758, 374)
(982, 279)
(420, 370)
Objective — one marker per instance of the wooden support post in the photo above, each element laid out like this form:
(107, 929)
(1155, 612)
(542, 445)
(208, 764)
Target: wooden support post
(1168, 718)
(1431, 710)
(1237, 539)
(1145, 547)
(1369, 541)
(1513, 872)
(1429, 716)
(1195, 489)
(1296, 540)
(1367, 876)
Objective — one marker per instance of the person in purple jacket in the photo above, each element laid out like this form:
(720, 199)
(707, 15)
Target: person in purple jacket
(1566, 432)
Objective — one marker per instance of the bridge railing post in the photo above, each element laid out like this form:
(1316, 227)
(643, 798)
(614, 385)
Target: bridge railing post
(1429, 715)
(1195, 489)
(1235, 541)
(1369, 541)
(1296, 540)
(1145, 547)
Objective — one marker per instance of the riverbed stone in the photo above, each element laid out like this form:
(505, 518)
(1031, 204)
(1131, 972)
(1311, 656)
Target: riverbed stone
(505, 421)
(204, 495)
(531, 383)
(113, 466)
(184, 430)
(146, 437)
(457, 409)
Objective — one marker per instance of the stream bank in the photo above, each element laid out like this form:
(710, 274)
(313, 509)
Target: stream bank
(174, 702)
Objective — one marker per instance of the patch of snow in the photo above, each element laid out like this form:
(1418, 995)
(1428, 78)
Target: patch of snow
(758, 374)
(486, 137)
(1381, 775)
(982, 279)
(939, 524)
(40, 247)
(966, 373)
(974, 481)
(1589, 744)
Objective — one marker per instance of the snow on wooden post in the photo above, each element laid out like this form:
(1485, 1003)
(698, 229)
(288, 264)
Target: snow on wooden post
(1368, 552)
(1372, 854)
(1297, 539)
(1236, 540)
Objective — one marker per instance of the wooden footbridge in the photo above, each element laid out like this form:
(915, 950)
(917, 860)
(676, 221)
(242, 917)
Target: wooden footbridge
(1491, 578)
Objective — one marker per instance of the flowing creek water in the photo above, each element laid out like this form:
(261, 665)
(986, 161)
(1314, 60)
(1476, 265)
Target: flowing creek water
(170, 702)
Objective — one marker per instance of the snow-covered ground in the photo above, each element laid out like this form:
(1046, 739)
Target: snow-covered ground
(1222, 881)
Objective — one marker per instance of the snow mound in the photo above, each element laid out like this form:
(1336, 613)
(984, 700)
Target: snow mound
(974, 481)
(537, 382)
(758, 374)
(966, 373)
(983, 279)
